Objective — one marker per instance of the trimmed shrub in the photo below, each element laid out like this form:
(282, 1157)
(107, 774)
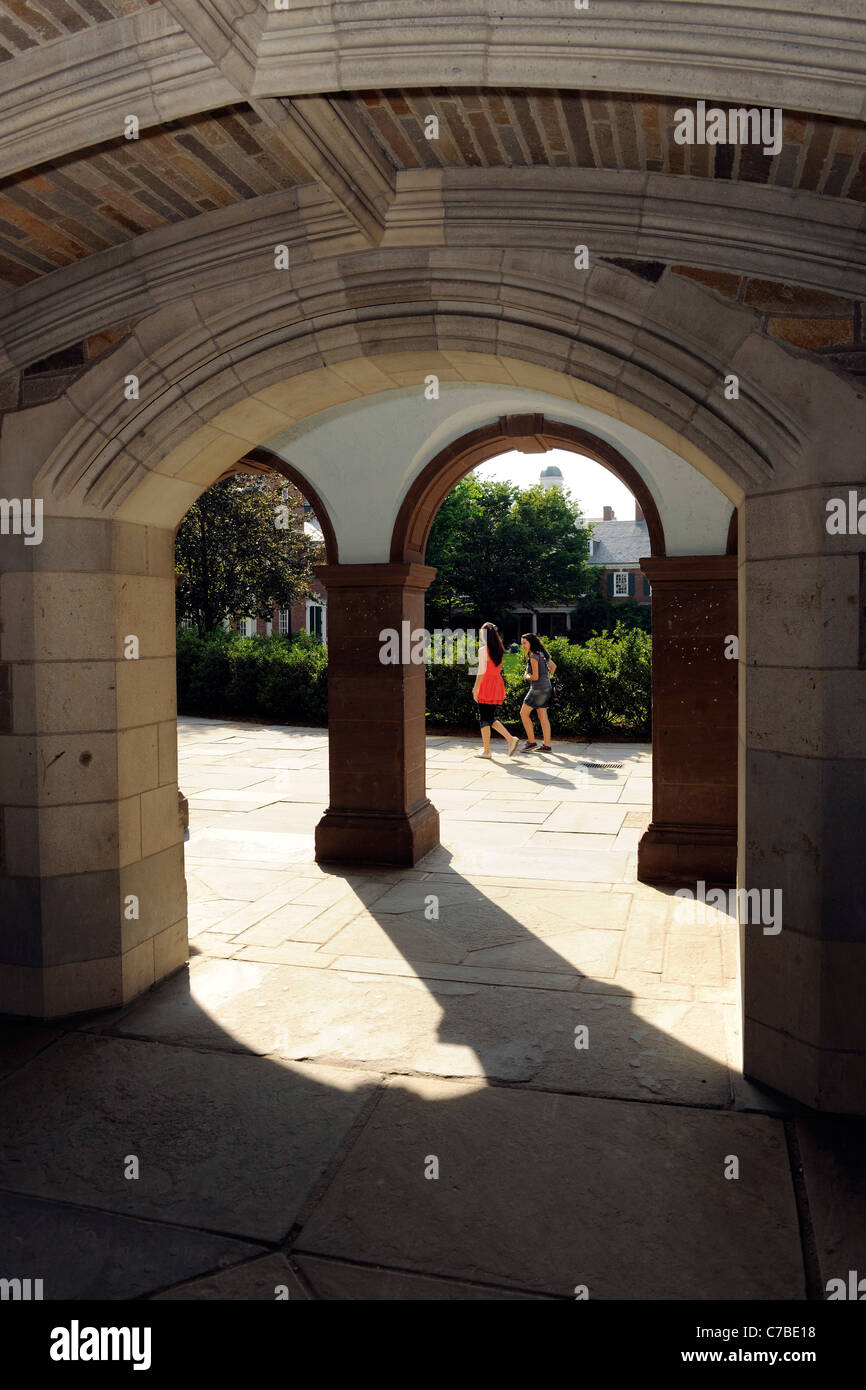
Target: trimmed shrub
(277, 679)
(602, 687)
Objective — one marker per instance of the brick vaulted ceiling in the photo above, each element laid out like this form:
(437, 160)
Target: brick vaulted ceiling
(26, 24)
(317, 111)
(67, 209)
(601, 130)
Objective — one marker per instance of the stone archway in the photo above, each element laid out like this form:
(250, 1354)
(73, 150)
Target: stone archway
(265, 463)
(115, 480)
(693, 833)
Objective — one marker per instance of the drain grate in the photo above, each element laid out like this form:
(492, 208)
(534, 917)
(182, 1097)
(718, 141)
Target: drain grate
(583, 763)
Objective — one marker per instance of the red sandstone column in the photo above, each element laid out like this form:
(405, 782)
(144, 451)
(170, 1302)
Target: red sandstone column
(693, 832)
(379, 810)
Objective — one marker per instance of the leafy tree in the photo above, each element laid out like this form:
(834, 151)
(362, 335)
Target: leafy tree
(497, 547)
(233, 559)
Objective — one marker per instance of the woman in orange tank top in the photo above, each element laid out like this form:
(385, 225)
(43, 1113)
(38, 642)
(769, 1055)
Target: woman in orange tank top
(489, 689)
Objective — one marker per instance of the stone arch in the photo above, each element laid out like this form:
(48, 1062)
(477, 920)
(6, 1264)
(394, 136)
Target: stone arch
(222, 379)
(528, 433)
(239, 383)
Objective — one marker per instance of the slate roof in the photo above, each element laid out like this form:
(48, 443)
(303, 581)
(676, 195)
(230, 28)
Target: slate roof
(619, 542)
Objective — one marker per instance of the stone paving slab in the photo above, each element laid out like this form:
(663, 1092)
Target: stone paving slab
(446, 1020)
(339, 1280)
(256, 1280)
(210, 879)
(574, 842)
(638, 790)
(492, 833)
(261, 846)
(85, 1254)
(228, 778)
(536, 863)
(461, 928)
(548, 1192)
(572, 795)
(510, 813)
(587, 952)
(226, 1143)
(693, 959)
(587, 820)
(433, 973)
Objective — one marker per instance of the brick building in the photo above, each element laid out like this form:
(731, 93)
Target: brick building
(617, 548)
(305, 614)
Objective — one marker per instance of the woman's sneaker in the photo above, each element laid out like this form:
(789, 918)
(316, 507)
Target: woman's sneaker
(527, 747)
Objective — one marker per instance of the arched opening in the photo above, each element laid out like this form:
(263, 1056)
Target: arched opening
(259, 688)
(81, 472)
(531, 434)
(693, 833)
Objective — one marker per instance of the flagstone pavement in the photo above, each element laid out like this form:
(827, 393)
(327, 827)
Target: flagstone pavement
(511, 1072)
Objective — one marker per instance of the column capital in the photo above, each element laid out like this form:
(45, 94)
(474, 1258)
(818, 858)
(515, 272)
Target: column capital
(691, 569)
(378, 575)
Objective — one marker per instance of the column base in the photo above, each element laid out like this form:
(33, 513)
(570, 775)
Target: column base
(377, 837)
(684, 854)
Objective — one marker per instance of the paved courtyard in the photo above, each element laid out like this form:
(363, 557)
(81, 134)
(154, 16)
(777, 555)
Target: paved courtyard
(510, 1072)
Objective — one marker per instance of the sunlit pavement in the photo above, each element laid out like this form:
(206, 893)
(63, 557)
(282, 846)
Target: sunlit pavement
(510, 1072)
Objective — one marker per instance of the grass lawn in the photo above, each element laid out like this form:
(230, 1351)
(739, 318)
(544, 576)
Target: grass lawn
(514, 663)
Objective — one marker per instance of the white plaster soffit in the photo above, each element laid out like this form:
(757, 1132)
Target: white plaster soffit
(195, 55)
(796, 236)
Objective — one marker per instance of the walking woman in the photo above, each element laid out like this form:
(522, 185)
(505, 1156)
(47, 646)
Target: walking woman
(489, 689)
(540, 666)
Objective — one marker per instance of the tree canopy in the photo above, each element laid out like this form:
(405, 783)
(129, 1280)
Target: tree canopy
(497, 547)
(241, 551)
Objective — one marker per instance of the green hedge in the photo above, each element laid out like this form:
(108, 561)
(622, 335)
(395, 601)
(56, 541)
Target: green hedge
(276, 679)
(602, 687)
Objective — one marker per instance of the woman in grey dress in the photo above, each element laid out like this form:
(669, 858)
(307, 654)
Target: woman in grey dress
(540, 666)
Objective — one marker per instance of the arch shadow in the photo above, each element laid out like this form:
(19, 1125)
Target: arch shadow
(284, 1118)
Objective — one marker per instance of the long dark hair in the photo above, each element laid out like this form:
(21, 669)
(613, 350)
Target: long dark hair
(493, 642)
(535, 643)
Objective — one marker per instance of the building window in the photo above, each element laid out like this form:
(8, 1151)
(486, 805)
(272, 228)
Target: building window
(620, 584)
(284, 625)
(246, 627)
(315, 624)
